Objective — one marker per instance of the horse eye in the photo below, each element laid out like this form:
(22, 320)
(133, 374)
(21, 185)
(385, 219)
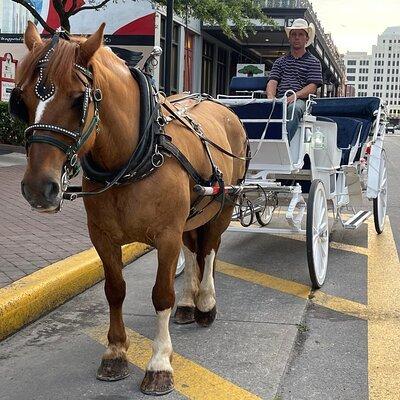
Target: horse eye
(78, 102)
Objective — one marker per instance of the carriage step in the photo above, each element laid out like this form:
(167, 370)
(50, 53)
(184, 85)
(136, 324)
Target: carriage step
(356, 220)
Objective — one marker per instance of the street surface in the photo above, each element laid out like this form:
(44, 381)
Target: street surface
(273, 339)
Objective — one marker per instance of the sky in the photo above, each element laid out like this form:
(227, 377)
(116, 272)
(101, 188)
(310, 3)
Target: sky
(356, 24)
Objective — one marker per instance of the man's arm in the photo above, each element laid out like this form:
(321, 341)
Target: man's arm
(271, 88)
(311, 88)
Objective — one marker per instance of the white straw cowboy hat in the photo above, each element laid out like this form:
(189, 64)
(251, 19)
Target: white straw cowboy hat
(302, 24)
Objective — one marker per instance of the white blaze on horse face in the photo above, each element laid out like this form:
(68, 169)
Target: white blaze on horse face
(192, 281)
(41, 107)
(206, 298)
(162, 346)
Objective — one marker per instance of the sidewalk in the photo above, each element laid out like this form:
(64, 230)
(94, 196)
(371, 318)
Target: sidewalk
(30, 241)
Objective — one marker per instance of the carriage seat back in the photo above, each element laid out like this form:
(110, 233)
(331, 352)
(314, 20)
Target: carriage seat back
(261, 110)
(351, 107)
(248, 83)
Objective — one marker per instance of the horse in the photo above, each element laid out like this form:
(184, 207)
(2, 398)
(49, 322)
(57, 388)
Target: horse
(61, 84)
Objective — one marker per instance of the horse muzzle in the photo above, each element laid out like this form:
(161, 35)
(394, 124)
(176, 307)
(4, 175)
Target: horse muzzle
(45, 196)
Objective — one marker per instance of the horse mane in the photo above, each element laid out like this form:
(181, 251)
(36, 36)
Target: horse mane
(60, 69)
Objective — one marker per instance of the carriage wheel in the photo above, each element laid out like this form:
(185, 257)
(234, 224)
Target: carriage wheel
(264, 217)
(380, 203)
(317, 233)
(246, 213)
(180, 267)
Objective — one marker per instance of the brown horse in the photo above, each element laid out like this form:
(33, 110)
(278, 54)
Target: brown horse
(153, 210)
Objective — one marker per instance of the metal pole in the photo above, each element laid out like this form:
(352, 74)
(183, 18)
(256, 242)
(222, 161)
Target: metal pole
(168, 47)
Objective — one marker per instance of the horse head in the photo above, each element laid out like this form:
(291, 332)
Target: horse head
(56, 97)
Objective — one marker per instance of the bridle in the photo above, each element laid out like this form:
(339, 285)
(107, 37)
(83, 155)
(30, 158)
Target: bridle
(44, 91)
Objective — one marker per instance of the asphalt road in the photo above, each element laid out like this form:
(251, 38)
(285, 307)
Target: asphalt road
(272, 339)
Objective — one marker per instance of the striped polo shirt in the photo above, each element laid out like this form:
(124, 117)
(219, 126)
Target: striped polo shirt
(296, 73)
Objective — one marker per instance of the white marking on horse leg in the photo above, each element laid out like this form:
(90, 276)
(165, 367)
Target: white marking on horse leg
(162, 346)
(40, 109)
(116, 351)
(192, 281)
(205, 300)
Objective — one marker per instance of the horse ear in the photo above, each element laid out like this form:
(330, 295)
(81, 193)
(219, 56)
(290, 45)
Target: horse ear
(92, 44)
(32, 36)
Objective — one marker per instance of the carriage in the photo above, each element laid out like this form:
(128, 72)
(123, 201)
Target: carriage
(333, 164)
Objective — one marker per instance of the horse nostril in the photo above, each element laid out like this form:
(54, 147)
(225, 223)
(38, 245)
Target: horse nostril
(51, 190)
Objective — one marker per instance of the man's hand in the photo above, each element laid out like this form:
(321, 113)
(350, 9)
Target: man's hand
(291, 99)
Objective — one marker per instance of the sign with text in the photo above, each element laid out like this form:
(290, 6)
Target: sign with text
(8, 67)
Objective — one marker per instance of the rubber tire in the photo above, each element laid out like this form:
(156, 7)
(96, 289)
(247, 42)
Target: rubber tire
(375, 206)
(309, 234)
(250, 206)
(260, 218)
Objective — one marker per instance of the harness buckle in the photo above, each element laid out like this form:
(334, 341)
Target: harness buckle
(157, 159)
(97, 95)
(161, 121)
(73, 160)
(64, 180)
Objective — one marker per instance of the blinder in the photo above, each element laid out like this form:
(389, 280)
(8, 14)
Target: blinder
(17, 107)
(44, 90)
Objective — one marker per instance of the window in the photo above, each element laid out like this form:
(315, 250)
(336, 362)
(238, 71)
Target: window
(188, 59)
(174, 55)
(222, 70)
(351, 62)
(207, 67)
(351, 78)
(351, 70)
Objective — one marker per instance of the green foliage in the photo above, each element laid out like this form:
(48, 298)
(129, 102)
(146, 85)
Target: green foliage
(232, 16)
(250, 70)
(11, 131)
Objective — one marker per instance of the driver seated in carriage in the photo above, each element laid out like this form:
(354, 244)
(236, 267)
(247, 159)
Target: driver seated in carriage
(298, 70)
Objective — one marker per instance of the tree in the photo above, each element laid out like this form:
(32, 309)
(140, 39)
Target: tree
(233, 16)
(250, 70)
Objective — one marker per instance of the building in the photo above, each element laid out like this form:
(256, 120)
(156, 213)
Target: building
(203, 58)
(385, 77)
(13, 17)
(378, 74)
(358, 68)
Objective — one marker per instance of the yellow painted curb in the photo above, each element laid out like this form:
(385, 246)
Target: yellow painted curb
(28, 298)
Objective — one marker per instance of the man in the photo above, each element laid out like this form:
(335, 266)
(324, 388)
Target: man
(299, 71)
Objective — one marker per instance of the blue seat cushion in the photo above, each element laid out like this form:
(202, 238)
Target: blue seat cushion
(354, 107)
(260, 110)
(251, 84)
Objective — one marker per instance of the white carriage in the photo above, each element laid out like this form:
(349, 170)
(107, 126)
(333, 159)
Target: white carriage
(334, 163)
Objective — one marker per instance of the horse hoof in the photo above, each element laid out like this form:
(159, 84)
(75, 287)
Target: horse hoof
(157, 383)
(184, 315)
(113, 369)
(205, 318)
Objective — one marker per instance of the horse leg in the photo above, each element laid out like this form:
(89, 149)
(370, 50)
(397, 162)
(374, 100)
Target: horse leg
(158, 379)
(184, 313)
(209, 239)
(114, 364)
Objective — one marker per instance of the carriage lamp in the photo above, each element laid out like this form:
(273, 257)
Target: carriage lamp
(308, 135)
(319, 140)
